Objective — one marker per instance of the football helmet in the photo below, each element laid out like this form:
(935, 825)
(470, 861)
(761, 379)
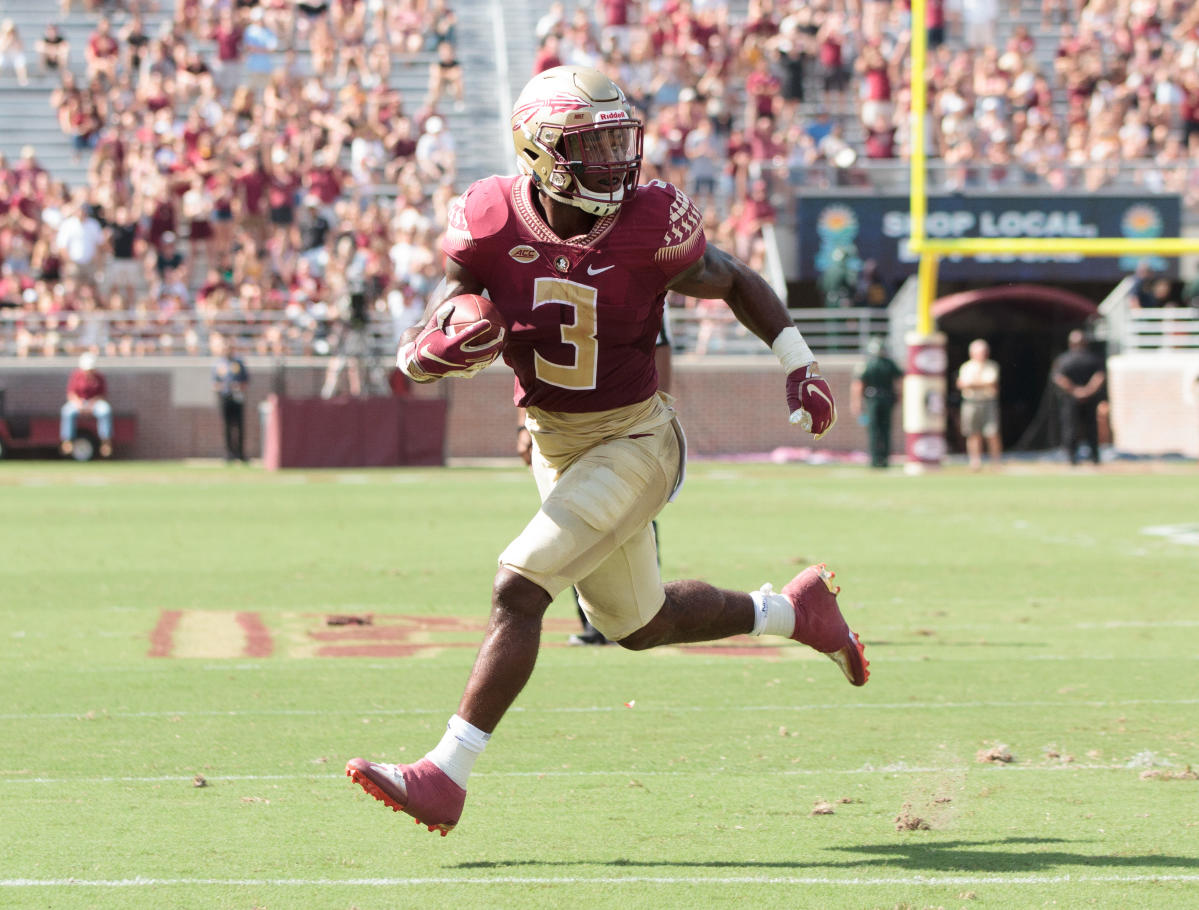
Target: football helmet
(576, 136)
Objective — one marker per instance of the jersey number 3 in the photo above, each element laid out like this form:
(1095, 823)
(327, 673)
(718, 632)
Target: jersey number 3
(581, 335)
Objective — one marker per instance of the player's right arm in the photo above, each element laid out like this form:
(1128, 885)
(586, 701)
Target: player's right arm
(457, 281)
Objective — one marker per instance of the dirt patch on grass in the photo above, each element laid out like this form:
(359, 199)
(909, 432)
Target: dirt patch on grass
(998, 754)
(907, 820)
(1163, 774)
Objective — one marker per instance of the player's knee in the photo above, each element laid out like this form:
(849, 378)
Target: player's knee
(648, 636)
(637, 641)
(514, 596)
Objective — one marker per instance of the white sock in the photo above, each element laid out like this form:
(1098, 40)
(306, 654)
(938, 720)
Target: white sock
(458, 749)
(773, 613)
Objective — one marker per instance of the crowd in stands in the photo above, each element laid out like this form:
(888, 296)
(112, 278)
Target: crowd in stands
(251, 162)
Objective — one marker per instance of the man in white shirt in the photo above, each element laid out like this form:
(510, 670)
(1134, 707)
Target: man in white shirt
(978, 381)
(78, 239)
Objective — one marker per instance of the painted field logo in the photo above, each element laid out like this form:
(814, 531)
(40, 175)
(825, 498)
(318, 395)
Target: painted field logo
(523, 254)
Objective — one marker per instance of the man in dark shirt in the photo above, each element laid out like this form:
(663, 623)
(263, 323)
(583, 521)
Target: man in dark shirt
(313, 225)
(124, 244)
(229, 379)
(1079, 376)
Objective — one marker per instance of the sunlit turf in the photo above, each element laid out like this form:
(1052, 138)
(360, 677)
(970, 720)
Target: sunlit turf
(1049, 616)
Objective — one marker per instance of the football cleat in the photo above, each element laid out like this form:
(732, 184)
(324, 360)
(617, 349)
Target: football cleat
(421, 790)
(820, 625)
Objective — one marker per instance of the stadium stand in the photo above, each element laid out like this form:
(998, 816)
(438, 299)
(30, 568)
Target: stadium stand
(256, 142)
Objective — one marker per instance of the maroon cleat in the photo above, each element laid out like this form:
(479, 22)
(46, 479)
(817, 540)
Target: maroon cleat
(421, 790)
(820, 625)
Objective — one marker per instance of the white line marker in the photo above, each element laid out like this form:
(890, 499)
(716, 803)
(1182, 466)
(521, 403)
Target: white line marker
(101, 714)
(140, 882)
(624, 772)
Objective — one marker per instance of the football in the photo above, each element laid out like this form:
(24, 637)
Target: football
(464, 335)
(469, 310)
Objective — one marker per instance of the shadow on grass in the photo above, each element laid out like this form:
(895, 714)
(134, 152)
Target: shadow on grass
(1003, 855)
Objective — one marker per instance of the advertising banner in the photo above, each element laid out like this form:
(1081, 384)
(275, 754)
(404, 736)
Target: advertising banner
(850, 230)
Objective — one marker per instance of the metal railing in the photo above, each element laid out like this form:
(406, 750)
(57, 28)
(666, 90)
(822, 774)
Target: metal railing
(1168, 328)
(711, 329)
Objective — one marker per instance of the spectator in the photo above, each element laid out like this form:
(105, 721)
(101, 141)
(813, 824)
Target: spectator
(1140, 293)
(53, 49)
(167, 257)
(12, 51)
(102, 53)
(349, 21)
(123, 241)
(135, 43)
(228, 35)
(249, 201)
(978, 381)
(230, 379)
(258, 44)
(445, 73)
(547, 54)
(197, 209)
(79, 240)
(86, 391)
(1079, 376)
(435, 155)
(349, 337)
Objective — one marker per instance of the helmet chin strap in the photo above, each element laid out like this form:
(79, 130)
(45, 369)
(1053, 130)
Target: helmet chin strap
(579, 201)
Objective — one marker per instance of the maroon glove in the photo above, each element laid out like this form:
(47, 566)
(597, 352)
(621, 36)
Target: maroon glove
(810, 401)
(448, 348)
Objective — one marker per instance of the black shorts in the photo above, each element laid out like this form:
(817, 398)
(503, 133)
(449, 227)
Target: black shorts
(836, 79)
(283, 215)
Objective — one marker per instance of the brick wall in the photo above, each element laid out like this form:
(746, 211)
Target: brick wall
(727, 405)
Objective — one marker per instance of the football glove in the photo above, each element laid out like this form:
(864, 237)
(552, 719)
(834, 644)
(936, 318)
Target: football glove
(810, 401)
(444, 350)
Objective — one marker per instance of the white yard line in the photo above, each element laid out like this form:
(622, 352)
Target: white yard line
(859, 881)
(101, 714)
(790, 772)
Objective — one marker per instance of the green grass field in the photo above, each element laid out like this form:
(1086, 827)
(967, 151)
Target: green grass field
(168, 621)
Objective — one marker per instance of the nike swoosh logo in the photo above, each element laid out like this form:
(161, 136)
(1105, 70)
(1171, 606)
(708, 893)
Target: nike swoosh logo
(591, 271)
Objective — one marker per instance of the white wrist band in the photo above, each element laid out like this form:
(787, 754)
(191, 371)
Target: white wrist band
(791, 350)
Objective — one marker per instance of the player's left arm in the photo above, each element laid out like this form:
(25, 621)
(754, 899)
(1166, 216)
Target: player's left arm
(717, 275)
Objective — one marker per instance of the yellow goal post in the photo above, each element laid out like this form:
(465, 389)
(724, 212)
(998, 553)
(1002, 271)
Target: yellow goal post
(925, 382)
(931, 249)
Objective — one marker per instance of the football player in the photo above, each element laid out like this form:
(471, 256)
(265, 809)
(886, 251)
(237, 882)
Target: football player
(577, 257)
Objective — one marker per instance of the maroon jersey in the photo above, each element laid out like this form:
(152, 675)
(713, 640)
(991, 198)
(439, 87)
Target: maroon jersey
(87, 385)
(582, 314)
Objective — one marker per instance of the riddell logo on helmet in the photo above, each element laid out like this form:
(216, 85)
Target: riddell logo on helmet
(605, 116)
(525, 254)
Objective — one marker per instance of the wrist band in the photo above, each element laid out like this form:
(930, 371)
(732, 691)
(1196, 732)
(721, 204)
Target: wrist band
(791, 350)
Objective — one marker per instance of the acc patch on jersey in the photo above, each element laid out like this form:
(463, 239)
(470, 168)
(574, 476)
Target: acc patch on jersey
(523, 253)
